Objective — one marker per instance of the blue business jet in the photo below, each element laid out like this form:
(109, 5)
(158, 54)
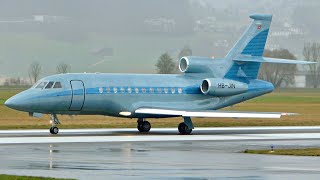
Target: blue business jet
(205, 86)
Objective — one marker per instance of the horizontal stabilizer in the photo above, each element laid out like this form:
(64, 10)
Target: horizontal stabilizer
(217, 114)
(270, 60)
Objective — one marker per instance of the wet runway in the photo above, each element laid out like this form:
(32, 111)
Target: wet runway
(161, 154)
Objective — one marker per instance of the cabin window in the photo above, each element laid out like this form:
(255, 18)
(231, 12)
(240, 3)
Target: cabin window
(41, 85)
(166, 90)
(49, 85)
(101, 90)
(57, 85)
(108, 90)
(159, 90)
(144, 90)
(136, 90)
(151, 90)
(122, 90)
(179, 90)
(129, 90)
(173, 90)
(115, 90)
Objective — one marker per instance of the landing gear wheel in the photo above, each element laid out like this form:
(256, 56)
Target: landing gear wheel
(54, 130)
(184, 129)
(54, 121)
(140, 127)
(144, 126)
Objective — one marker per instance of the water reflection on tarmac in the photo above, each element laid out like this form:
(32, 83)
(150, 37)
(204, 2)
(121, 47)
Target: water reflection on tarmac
(185, 158)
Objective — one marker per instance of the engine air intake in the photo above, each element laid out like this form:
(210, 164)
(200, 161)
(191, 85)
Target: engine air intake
(183, 64)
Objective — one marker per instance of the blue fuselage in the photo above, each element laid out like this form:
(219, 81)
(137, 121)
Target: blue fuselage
(111, 94)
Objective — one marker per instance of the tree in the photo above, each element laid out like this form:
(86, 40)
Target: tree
(165, 64)
(278, 73)
(186, 51)
(311, 52)
(63, 68)
(34, 71)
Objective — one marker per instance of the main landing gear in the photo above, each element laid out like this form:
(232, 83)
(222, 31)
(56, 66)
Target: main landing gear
(54, 122)
(185, 128)
(143, 125)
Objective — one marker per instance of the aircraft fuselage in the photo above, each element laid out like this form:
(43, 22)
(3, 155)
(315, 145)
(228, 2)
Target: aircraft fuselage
(121, 94)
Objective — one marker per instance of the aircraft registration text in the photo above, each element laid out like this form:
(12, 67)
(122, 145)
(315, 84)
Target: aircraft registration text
(223, 85)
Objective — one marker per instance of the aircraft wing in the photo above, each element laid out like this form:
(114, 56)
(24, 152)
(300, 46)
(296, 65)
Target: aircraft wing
(213, 113)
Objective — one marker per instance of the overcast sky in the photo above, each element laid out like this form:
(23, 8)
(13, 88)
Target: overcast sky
(128, 36)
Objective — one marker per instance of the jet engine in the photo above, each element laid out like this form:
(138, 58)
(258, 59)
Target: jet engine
(192, 64)
(222, 87)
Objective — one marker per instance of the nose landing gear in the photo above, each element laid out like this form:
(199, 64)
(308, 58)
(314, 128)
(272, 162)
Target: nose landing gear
(54, 122)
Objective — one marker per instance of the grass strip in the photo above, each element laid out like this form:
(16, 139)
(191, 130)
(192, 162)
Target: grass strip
(14, 177)
(291, 152)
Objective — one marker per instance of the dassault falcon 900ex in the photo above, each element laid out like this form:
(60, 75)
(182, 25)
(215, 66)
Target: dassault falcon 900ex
(205, 86)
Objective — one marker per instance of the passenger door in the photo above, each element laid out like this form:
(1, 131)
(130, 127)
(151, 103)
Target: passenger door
(77, 96)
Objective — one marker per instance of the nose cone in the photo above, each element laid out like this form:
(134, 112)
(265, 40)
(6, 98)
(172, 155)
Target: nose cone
(19, 102)
(13, 103)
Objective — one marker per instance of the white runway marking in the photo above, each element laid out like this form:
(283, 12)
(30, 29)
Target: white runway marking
(214, 129)
(131, 135)
(87, 139)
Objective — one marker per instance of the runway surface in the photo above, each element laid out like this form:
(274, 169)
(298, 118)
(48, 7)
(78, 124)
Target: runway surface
(161, 154)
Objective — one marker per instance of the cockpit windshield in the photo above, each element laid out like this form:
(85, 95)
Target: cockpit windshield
(48, 85)
(41, 84)
(57, 85)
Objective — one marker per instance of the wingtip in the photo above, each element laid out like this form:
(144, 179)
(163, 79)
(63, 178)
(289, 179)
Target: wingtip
(312, 62)
(289, 114)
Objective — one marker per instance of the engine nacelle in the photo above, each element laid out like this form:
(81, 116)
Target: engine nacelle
(222, 87)
(192, 64)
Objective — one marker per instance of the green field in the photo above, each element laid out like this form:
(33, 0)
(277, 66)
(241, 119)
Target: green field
(12, 177)
(306, 102)
(289, 152)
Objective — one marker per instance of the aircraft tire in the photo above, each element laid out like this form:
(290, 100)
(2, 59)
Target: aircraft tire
(139, 127)
(144, 126)
(184, 129)
(54, 130)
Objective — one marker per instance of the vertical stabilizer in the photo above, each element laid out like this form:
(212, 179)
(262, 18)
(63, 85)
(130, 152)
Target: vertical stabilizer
(251, 44)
